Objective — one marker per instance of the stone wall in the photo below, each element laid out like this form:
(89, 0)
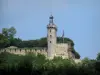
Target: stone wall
(24, 51)
(61, 50)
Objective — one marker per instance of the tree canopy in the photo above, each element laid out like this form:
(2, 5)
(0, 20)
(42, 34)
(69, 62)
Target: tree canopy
(32, 64)
(98, 56)
(4, 42)
(9, 32)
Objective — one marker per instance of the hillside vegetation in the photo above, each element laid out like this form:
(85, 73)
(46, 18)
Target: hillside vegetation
(31, 64)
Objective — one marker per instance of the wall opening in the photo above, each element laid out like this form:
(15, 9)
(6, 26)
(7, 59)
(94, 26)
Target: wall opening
(50, 36)
(50, 30)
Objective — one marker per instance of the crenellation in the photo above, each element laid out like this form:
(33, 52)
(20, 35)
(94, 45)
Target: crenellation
(23, 51)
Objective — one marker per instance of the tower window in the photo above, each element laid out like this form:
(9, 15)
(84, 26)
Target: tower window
(50, 41)
(47, 35)
(50, 30)
(50, 36)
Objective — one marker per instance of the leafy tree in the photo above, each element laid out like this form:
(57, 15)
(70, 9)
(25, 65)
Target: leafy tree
(31, 64)
(5, 32)
(9, 32)
(66, 40)
(97, 64)
(85, 60)
(15, 42)
(75, 53)
(98, 56)
(43, 42)
(4, 42)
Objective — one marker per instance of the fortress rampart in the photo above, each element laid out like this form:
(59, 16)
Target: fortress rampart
(25, 51)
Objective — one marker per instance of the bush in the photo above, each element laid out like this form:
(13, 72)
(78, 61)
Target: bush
(31, 64)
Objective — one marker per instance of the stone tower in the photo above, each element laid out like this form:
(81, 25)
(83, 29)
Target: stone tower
(51, 37)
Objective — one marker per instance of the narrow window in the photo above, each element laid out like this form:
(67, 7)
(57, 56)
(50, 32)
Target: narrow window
(50, 41)
(50, 36)
(50, 30)
(47, 35)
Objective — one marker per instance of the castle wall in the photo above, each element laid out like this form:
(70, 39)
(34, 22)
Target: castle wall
(24, 51)
(61, 50)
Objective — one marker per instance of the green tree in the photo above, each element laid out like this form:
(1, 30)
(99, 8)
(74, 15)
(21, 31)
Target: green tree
(98, 56)
(97, 64)
(66, 40)
(43, 42)
(15, 42)
(4, 42)
(5, 32)
(85, 60)
(9, 32)
(75, 53)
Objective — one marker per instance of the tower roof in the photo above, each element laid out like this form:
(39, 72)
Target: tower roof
(51, 23)
(51, 17)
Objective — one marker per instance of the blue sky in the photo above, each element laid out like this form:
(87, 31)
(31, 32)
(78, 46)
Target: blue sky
(80, 20)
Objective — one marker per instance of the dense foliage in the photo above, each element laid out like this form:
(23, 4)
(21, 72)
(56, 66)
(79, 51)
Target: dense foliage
(7, 39)
(98, 56)
(31, 64)
(9, 32)
(4, 42)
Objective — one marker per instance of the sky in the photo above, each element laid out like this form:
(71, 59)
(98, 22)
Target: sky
(80, 20)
